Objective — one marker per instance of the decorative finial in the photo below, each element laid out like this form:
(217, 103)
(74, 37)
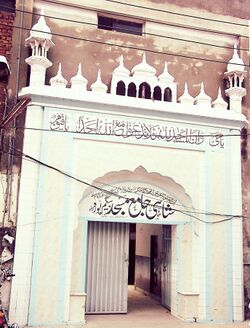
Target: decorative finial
(202, 99)
(99, 75)
(79, 69)
(59, 69)
(186, 98)
(58, 80)
(235, 49)
(121, 60)
(235, 63)
(121, 70)
(165, 76)
(99, 86)
(144, 70)
(79, 82)
(42, 12)
(202, 87)
(219, 101)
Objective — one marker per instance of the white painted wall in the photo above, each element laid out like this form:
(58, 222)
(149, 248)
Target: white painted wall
(197, 175)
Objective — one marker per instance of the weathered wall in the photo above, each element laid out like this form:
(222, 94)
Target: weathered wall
(6, 30)
(6, 33)
(70, 37)
(8, 176)
(53, 201)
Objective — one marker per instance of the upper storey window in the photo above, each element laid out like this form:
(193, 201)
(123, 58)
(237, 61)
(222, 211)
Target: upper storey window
(7, 5)
(113, 24)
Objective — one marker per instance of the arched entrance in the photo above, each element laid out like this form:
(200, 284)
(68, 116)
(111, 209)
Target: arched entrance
(119, 201)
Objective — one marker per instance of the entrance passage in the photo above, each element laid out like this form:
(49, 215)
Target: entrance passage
(143, 311)
(113, 265)
(107, 274)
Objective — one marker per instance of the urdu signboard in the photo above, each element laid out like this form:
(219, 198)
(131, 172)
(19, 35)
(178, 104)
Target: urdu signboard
(131, 202)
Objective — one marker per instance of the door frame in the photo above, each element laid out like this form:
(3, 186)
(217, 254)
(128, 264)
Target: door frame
(124, 220)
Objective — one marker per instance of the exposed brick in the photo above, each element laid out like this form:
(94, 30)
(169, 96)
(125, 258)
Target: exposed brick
(6, 30)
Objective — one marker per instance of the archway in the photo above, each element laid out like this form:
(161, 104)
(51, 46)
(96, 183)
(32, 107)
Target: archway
(120, 88)
(144, 91)
(131, 90)
(107, 210)
(157, 95)
(168, 95)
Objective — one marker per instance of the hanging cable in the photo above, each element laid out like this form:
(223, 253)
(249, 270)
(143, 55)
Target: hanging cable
(132, 47)
(186, 212)
(144, 33)
(218, 134)
(176, 13)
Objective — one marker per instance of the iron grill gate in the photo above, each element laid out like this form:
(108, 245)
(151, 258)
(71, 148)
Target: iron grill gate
(107, 268)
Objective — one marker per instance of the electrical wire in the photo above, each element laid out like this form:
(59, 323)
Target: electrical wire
(130, 47)
(176, 13)
(185, 212)
(137, 49)
(127, 30)
(149, 8)
(188, 209)
(215, 134)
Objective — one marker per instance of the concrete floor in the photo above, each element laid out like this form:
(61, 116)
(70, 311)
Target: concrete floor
(145, 312)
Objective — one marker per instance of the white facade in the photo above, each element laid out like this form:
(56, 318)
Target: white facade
(97, 156)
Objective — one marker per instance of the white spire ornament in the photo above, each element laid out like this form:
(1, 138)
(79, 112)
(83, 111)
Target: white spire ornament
(40, 42)
(58, 80)
(235, 76)
(79, 82)
(219, 102)
(99, 86)
(165, 76)
(235, 63)
(121, 70)
(41, 29)
(202, 100)
(186, 98)
(143, 70)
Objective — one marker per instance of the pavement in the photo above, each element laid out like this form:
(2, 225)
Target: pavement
(146, 312)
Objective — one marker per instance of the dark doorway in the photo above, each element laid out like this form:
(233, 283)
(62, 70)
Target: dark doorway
(154, 279)
(131, 266)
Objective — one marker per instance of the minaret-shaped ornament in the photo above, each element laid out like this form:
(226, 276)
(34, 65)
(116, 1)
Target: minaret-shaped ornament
(167, 85)
(186, 98)
(219, 102)
(165, 76)
(202, 100)
(143, 70)
(79, 82)
(121, 70)
(58, 80)
(40, 42)
(235, 75)
(99, 86)
(120, 74)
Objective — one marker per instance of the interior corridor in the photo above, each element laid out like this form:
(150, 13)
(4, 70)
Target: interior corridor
(140, 303)
(143, 311)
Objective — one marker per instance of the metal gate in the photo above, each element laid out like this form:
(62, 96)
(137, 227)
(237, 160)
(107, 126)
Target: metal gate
(166, 266)
(107, 268)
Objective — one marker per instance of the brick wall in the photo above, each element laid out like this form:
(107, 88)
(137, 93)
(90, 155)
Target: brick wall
(6, 30)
